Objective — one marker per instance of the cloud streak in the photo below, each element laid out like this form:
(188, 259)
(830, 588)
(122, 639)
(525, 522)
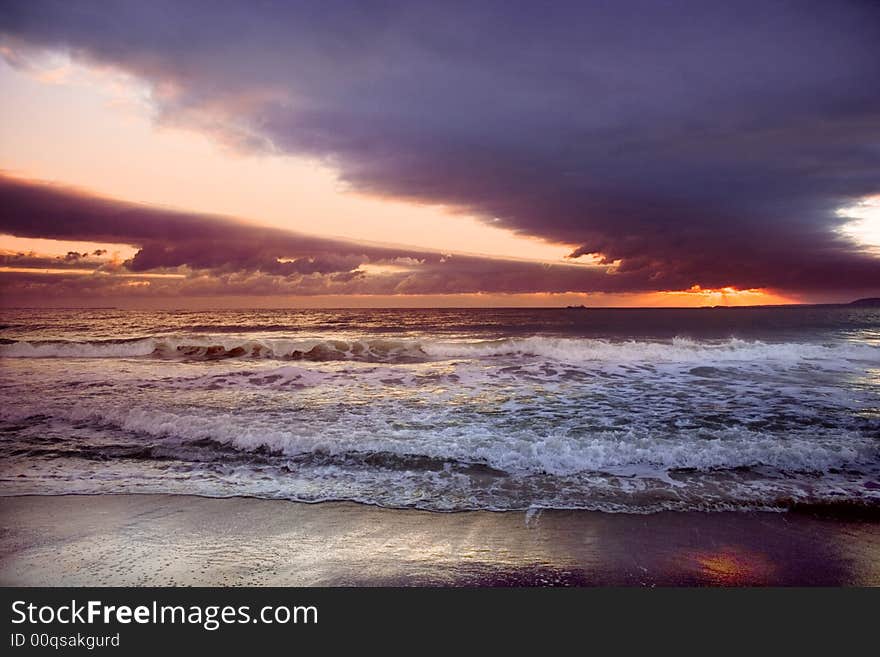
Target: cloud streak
(216, 255)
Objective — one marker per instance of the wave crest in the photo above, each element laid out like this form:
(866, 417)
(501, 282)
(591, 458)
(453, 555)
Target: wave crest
(573, 350)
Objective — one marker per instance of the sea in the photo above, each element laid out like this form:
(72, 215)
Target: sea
(615, 410)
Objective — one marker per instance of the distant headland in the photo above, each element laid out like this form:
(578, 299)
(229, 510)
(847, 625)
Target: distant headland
(870, 301)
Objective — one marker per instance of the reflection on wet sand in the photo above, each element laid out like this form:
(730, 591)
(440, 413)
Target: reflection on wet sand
(182, 540)
(735, 566)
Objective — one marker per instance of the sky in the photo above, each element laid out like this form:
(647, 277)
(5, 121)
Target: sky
(220, 154)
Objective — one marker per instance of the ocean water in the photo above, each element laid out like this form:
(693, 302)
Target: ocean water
(629, 410)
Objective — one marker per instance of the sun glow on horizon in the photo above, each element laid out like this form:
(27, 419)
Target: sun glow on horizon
(726, 296)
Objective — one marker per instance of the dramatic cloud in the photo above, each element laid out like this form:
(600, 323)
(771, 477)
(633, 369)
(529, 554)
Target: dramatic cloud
(190, 254)
(689, 142)
(170, 238)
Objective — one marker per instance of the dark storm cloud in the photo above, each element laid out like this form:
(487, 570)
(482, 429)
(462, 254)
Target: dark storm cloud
(170, 238)
(216, 255)
(697, 142)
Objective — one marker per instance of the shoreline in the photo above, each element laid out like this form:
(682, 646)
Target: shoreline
(173, 540)
(841, 510)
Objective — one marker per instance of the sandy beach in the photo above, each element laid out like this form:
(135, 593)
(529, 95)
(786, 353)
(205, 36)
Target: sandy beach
(156, 540)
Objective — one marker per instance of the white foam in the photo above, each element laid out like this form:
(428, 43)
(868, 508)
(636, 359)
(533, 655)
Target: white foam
(630, 452)
(60, 349)
(562, 350)
(677, 350)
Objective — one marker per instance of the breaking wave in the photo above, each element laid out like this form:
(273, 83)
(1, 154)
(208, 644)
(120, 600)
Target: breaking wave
(522, 452)
(408, 351)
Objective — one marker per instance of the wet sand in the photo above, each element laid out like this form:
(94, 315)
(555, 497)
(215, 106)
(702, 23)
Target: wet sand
(158, 540)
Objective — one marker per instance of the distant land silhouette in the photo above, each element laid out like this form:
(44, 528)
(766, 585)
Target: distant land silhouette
(870, 301)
